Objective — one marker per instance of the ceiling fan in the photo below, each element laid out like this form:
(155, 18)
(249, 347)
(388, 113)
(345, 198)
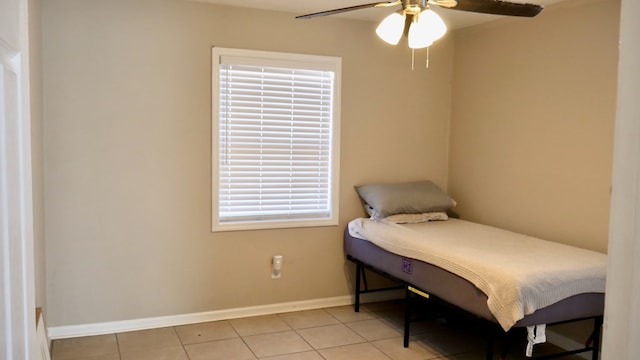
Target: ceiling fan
(495, 7)
(422, 25)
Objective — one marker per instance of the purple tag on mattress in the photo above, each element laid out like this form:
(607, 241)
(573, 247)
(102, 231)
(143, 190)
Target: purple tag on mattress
(407, 266)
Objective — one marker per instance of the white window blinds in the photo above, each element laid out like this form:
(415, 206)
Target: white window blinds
(275, 141)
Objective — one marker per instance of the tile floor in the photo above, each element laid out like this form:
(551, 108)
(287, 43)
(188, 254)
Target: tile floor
(337, 333)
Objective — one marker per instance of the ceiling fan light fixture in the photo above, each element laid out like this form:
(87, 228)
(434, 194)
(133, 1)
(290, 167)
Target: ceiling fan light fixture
(419, 35)
(426, 28)
(391, 28)
(436, 26)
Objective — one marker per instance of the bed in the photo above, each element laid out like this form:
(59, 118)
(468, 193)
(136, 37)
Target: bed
(409, 237)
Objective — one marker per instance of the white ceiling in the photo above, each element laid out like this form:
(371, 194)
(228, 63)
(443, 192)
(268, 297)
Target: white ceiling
(454, 19)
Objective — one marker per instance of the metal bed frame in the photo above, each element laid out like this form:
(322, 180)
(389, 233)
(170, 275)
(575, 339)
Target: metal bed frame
(591, 345)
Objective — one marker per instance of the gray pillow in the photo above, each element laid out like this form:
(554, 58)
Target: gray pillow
(404, 198)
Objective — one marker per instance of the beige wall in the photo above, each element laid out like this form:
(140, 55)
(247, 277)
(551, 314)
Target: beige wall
(532, 122)
(127, 155)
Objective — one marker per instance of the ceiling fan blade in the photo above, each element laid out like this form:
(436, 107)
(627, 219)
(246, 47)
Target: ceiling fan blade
(497, 7)
(349, 8)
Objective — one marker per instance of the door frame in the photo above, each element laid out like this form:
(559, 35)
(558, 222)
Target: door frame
(17, 310)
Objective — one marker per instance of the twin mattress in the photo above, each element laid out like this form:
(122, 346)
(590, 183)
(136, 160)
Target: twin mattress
(502, 276)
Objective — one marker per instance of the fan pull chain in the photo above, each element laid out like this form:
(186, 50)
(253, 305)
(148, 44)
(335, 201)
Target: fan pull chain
(426, 63)
(413, 58)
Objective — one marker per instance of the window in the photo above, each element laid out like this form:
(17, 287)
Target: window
(275, 153)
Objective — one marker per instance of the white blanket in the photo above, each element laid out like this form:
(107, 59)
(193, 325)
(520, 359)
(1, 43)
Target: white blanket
(518, 273)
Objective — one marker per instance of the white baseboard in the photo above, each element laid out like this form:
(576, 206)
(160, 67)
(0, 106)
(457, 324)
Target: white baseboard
(70, 331)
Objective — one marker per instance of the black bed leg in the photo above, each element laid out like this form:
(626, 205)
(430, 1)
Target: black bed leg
(490, 347)
(595, 337)
(359, 269)
(407, 315)
(491, 338)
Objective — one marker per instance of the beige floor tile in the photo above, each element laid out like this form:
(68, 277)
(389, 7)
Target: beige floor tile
(115, 356)
(336, 333)
(167, 353)
(424, 326)
(309, 318)
(276, 344)
(393, 315)
(354, 352)
(375, 329)
(391, 310)
(347, 314)
(307, 355)
(202, 332)
(547, 349)
(89, 347)
(148, 339)
(329, 336)
(395, 349)
(448, 342)
(467, 356)
(230, 349)
(383, 306)
(259, 325)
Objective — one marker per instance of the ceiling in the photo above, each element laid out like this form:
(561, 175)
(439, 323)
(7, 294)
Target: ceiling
(454, 19)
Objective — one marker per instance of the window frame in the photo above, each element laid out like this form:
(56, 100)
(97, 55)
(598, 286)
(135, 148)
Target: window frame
(280, 59)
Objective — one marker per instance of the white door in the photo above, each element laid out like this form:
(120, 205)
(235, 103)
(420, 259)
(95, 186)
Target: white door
(17, 302)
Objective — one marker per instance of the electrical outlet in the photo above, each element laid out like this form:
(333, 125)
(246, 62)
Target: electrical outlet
(276, 266)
